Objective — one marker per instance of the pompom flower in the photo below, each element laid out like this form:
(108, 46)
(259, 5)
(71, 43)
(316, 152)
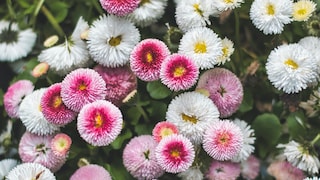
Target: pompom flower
(99, 122)
(283, 170)
(225, 89)
(224, 5)
(5, 167)
(223, 140)
(291, 68)
(120, 82)
(270, 16)
(30, 113)
(175, 153)
(179, 72)
(192, 113)
(303, 9)
(139, 158)
(53, 108)
(111, 40)
(163, 129)
(14, 42)
(30, 171)
(193, 173)
(82, 86)
(14, 95)
(250, 168)
(223, 170)
(202, 45)
(91, 171)
(60, 144)
(227, 51)
(119, 8)
(146, 59)
(312, 44)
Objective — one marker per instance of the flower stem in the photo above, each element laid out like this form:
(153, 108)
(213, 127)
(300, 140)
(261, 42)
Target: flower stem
(52, 20)
(97, 6)
(317, 138)
(36, 12)
(143, 113)
(10, 9)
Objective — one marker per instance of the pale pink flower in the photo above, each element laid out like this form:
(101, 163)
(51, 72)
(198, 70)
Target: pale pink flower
(91, 171)
(223, 170)
(60, 144)
(250, 168)
(283, 170)
(163, 129)
(119, 7)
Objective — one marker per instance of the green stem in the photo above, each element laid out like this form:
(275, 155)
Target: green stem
(317, 138)
(97, 6)
(237, 37)
(11, 11)
(52, 20)
(36, 12)
(143, 113)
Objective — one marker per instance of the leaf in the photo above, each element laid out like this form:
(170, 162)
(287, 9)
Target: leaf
(157, 110)
(143, 129)
(1, 97)
(117, 143)
(157, 90)
(133, 115)
(58, 9)
(295, 122)
(247, 102)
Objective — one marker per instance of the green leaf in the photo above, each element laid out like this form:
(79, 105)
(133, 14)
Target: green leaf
(133, 115)
(295, 122)
(143, 129)
(157, 90)
(58, 9)
(117, 143)
(1, 97)
(247, 102)
(157, 110)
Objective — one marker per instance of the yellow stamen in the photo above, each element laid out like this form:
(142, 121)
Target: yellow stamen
(191, 119)
(197, 9)
(225, 51)
(115, 41)
(149, 57)
(200, 47)
(98, 121)
(224, 138)
(166, 132)
(179, 71)
(175, 153)
(228, 1)
(82, 87)
(57, 101)
(291, 64)
(270, 9)
(142, 2)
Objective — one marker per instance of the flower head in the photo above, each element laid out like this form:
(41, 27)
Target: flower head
(146, 59)
(5, 167)
(119, 8)
(250, 168)
(178, 72)
(163, 129)
(139, 158)
(193, 173)
(224, 5)
(283, 170)
(227, 51)
(303, 9)
(60, 144)
(312, 44)
(30, 171)
(175, 153)
(91, 171)
(222, 170)
(99, 122)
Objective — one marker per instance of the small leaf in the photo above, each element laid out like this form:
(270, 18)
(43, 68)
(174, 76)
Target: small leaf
(133, 115)
(295, 122)
(117, 143)
(157, 110)
(157, 90)
(247, 102)
(59, 10)
(143, 129)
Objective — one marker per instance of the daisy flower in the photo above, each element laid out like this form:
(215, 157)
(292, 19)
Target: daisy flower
(146, 59)
(301, 156)
(193, 173)
(227, 51)
(99, 122)
(30, 113)
(53, 108)
(179, 72)
(82, 86)
(120, 82)
(91, 171)
(312, 44)
(223, 140)
(148, 12)
(111, 40)
(14, 42)
(163, 129)
(193, 13)
(60, 144)
(37, 149)
(119, 8)
(71, 54)
(202, 45)
(223, 170)
(303, 9)
(225, 89)
(5, 166)
(192, 113)
(283, 170)
(291, 68)
(175, 153)
(250, 168)
(14, 95)
(312, 178)
(224, 5)
(30, 171)
(270, 16)
(139, 158)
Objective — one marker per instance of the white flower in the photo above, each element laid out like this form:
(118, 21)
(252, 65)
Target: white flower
(312, 44)
(148, 12)
(111, 40)
(30, 171)
(31, 116)
(303, 9)
(291, 67)
(15, 43)
(193, 173)
(300, 157)
(312, 178)
(270, 16)
(70, 55)
(5, 166)
(202, 45)
(224, 5)
(227, 51)
(192, 113)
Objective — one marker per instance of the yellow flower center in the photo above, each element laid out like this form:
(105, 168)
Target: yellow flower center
(115, 41)
(179, 71)
(191, 119)
(197, 9)
(200, 47)
(224, 138)
(228, 1)
(142, 2)
(225, 51)
(57, 101)
(98, 120)
(82, 87)
(175, 153)
(270, 9)
(166, 132)
(149, 57)
(290, 63)
(302, 11)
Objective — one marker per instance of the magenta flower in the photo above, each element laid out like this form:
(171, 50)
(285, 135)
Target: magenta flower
(14, 95)
(91, 171)
(223, 170)
(179, 72)
(82, 86)
(99, 123)
(223, 140)
(60, 144)
(119, 7)
(146, 59)
(225, 89)
(53, 108)
(283, 170)
(139, 158)
(175, 153)
(163, 129)
(120, 82)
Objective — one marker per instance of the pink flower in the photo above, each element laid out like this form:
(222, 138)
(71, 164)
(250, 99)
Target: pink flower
(163, 129)
(250, 168)
(223, 140)
(82, 86)
(60, 144)
(91, 171)
(179, 72)
(99, 123)
(14, 95)
(120, 82)
(175, 153)
(53, 108)
(119, 7)
(283, 170)
(225, 89)
(139, 158)
(223, 170)
(146, 59)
